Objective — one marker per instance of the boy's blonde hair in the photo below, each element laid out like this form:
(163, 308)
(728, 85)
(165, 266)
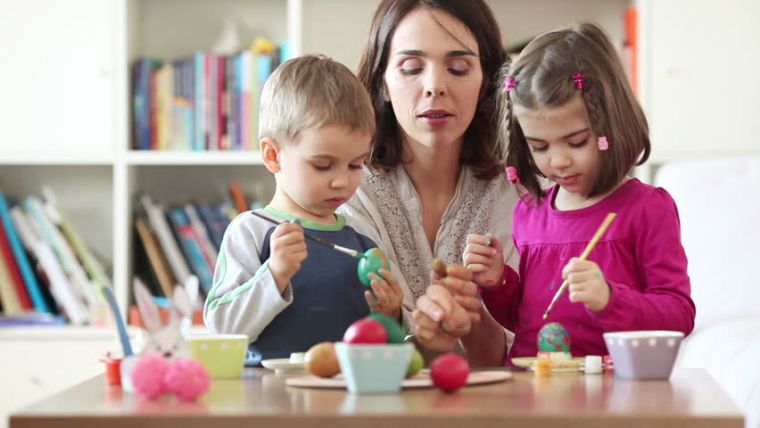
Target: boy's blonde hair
(543, 74)
(313, 91)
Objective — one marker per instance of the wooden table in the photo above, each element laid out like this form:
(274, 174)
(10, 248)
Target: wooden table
(691, 398)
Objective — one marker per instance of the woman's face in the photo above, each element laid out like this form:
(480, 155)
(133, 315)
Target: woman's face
(433, 78)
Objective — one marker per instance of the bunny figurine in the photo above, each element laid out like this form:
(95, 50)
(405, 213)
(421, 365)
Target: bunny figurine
(165, 340)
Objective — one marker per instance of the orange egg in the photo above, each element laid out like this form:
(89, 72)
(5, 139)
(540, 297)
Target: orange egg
(320, 360)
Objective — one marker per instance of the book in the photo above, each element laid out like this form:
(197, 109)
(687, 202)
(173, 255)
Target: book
(91, 264)
(190, 247)
(238, 198)
(22, 259)
(201, 232)
(156, 258)
(31, 319)
(60, 287)
(216, 225)
(8, 260)
(159, 224)
(68, 261)
(8, 295)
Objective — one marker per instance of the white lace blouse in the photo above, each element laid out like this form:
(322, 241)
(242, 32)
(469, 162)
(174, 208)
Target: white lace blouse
(387, 208)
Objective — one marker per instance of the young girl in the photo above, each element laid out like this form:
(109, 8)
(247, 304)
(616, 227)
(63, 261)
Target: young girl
(570, 116)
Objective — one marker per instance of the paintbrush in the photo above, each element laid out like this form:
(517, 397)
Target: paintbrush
(326, 243)
(586, 251)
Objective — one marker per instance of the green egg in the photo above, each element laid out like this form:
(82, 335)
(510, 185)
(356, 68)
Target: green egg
(394, 330)
(372, 260)
(553, 337)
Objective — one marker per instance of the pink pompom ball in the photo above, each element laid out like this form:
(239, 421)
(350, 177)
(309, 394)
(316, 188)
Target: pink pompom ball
(148, 375)
(187, 378)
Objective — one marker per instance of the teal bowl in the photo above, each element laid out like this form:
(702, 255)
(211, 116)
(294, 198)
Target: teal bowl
(374, 368)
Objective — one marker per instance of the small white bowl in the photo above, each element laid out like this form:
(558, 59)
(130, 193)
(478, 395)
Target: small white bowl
(374, 368)
(643, 354)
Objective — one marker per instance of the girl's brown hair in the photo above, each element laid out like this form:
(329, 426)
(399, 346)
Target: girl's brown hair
(543, 74)
(481, 149)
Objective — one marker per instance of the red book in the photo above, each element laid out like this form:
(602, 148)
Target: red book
(6, 257)
(237, 197)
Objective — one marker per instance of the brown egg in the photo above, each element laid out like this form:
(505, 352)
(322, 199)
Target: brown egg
(321, 360)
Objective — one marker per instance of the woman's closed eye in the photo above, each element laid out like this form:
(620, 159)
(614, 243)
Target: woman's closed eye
(322, 166)
(411, 66)
(459, 67)
(538, 147)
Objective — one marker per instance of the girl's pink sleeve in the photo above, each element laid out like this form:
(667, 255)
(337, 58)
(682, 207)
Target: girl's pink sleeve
(502, 300)
(664, 301)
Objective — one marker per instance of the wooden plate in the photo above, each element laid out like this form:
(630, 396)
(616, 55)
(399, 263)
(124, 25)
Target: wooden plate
(419, 381)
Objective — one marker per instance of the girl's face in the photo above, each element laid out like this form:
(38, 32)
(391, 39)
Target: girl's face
(562, 144)
(433, 78)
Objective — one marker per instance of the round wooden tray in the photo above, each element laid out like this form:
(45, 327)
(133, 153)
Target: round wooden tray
(420, 381)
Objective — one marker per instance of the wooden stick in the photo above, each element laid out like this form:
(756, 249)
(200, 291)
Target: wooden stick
(590, 246)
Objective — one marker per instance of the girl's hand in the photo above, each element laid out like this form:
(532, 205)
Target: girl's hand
(439, 321)
(288, 247)
(586, 284)
(387, 294)
(484, 257)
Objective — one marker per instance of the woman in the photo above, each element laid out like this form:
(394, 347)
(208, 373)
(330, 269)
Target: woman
(434, 171)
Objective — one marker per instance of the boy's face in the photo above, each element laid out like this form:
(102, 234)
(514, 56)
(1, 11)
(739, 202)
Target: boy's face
(320, 171)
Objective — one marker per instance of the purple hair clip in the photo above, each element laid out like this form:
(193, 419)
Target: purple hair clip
(579, 79)
(512, 175)
(510, 83)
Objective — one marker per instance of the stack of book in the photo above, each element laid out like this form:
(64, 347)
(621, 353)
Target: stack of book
(204, 102)
(179, 241)
(45, 267)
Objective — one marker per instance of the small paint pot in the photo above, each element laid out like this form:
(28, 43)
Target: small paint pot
(113, 370)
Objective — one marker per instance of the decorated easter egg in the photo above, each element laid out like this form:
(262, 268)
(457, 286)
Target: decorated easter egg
(394, 331)
(372, 260)
(553, 337)
(366, 330)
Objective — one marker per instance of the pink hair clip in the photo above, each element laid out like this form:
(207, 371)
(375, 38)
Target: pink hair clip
(579, 79)
(512, 175)
(510, 83)
(602, 143)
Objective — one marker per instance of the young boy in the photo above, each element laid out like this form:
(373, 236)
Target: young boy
(284, 291)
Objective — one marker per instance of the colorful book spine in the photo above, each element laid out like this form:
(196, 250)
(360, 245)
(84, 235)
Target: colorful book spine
(32, 286)
(190, 246)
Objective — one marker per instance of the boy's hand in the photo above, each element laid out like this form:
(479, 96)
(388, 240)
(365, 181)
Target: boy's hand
(388, 295)
(288, 247)
(484, 257)
(586, 284)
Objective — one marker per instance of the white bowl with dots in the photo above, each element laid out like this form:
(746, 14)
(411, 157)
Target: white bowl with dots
(643, 354)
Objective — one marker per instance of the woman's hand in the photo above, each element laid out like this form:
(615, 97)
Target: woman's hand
(484, 257)
(458, 281)
(288, 247)
(387, 296)
(586, 284)
(439, 321)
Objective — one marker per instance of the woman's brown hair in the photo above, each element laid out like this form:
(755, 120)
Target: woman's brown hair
(481, 149)
(543, 74)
